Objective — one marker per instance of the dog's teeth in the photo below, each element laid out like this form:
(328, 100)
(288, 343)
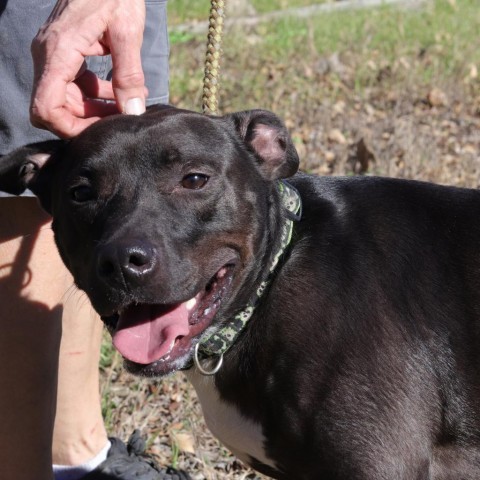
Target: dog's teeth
(221, 273)
(191, 304)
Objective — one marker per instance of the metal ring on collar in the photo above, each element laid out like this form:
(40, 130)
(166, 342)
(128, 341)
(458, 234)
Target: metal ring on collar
(214, 370)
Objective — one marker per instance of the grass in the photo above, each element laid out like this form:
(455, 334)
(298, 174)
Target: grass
(180, 11)
(439, 43)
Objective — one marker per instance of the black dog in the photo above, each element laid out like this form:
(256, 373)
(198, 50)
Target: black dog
(350, 337)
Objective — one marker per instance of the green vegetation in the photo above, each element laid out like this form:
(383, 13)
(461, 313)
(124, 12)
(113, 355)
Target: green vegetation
(438, 42)
(180, 11)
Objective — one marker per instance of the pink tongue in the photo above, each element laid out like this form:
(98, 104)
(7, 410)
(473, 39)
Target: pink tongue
(144, 333)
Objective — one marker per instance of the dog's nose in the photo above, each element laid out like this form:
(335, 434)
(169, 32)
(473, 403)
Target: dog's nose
(131, 263)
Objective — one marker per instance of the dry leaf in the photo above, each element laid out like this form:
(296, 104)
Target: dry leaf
(329, 156)
(473, 73)
(339, 107)
(470, 149)
(335, 135)
(437, 98)
(184, 441)
(370, 110)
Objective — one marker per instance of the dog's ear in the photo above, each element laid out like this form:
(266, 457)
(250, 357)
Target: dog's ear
(24, 168)
(267, 137)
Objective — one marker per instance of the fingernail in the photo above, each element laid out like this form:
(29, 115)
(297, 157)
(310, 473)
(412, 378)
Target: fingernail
(135, 106)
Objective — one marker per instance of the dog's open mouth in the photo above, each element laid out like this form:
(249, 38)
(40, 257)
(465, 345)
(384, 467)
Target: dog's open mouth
(149, 333)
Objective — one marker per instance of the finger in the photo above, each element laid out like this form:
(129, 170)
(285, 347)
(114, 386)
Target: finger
(98, 108)
(127, 74)
(92, 108)
(82, 70)
(81, 106)
(51, 79)
(63, 124)
(47, 109)
(128, 83)
(94, 87)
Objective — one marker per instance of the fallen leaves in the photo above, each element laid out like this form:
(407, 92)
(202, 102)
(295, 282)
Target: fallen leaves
(184, 441)
(437, 98)
(336, 136)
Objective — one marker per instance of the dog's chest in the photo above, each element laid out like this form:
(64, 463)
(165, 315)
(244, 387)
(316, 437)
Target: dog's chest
(242, 436)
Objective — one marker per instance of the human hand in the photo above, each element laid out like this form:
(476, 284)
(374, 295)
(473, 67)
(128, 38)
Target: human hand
(67, 97)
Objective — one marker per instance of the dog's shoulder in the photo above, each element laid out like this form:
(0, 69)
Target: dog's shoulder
(364, 187)
(361, 198)
(394, 225)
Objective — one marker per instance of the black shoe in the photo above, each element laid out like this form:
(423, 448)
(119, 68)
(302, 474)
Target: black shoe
(129, 462)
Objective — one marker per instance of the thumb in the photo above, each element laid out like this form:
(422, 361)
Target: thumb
(128, 80)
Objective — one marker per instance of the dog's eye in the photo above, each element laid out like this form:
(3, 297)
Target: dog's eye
(194, 181)
(81, 193)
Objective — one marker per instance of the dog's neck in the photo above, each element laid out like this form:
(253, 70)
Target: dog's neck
(221, 340)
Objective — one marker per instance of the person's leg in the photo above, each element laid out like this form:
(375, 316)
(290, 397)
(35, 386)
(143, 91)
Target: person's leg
(31, 283)
(33, 314)
(36, 296)
(79, 432)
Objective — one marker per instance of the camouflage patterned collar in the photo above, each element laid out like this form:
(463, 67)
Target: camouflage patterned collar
(224, 338)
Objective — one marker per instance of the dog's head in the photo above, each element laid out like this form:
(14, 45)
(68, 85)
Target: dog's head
(160, 218)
